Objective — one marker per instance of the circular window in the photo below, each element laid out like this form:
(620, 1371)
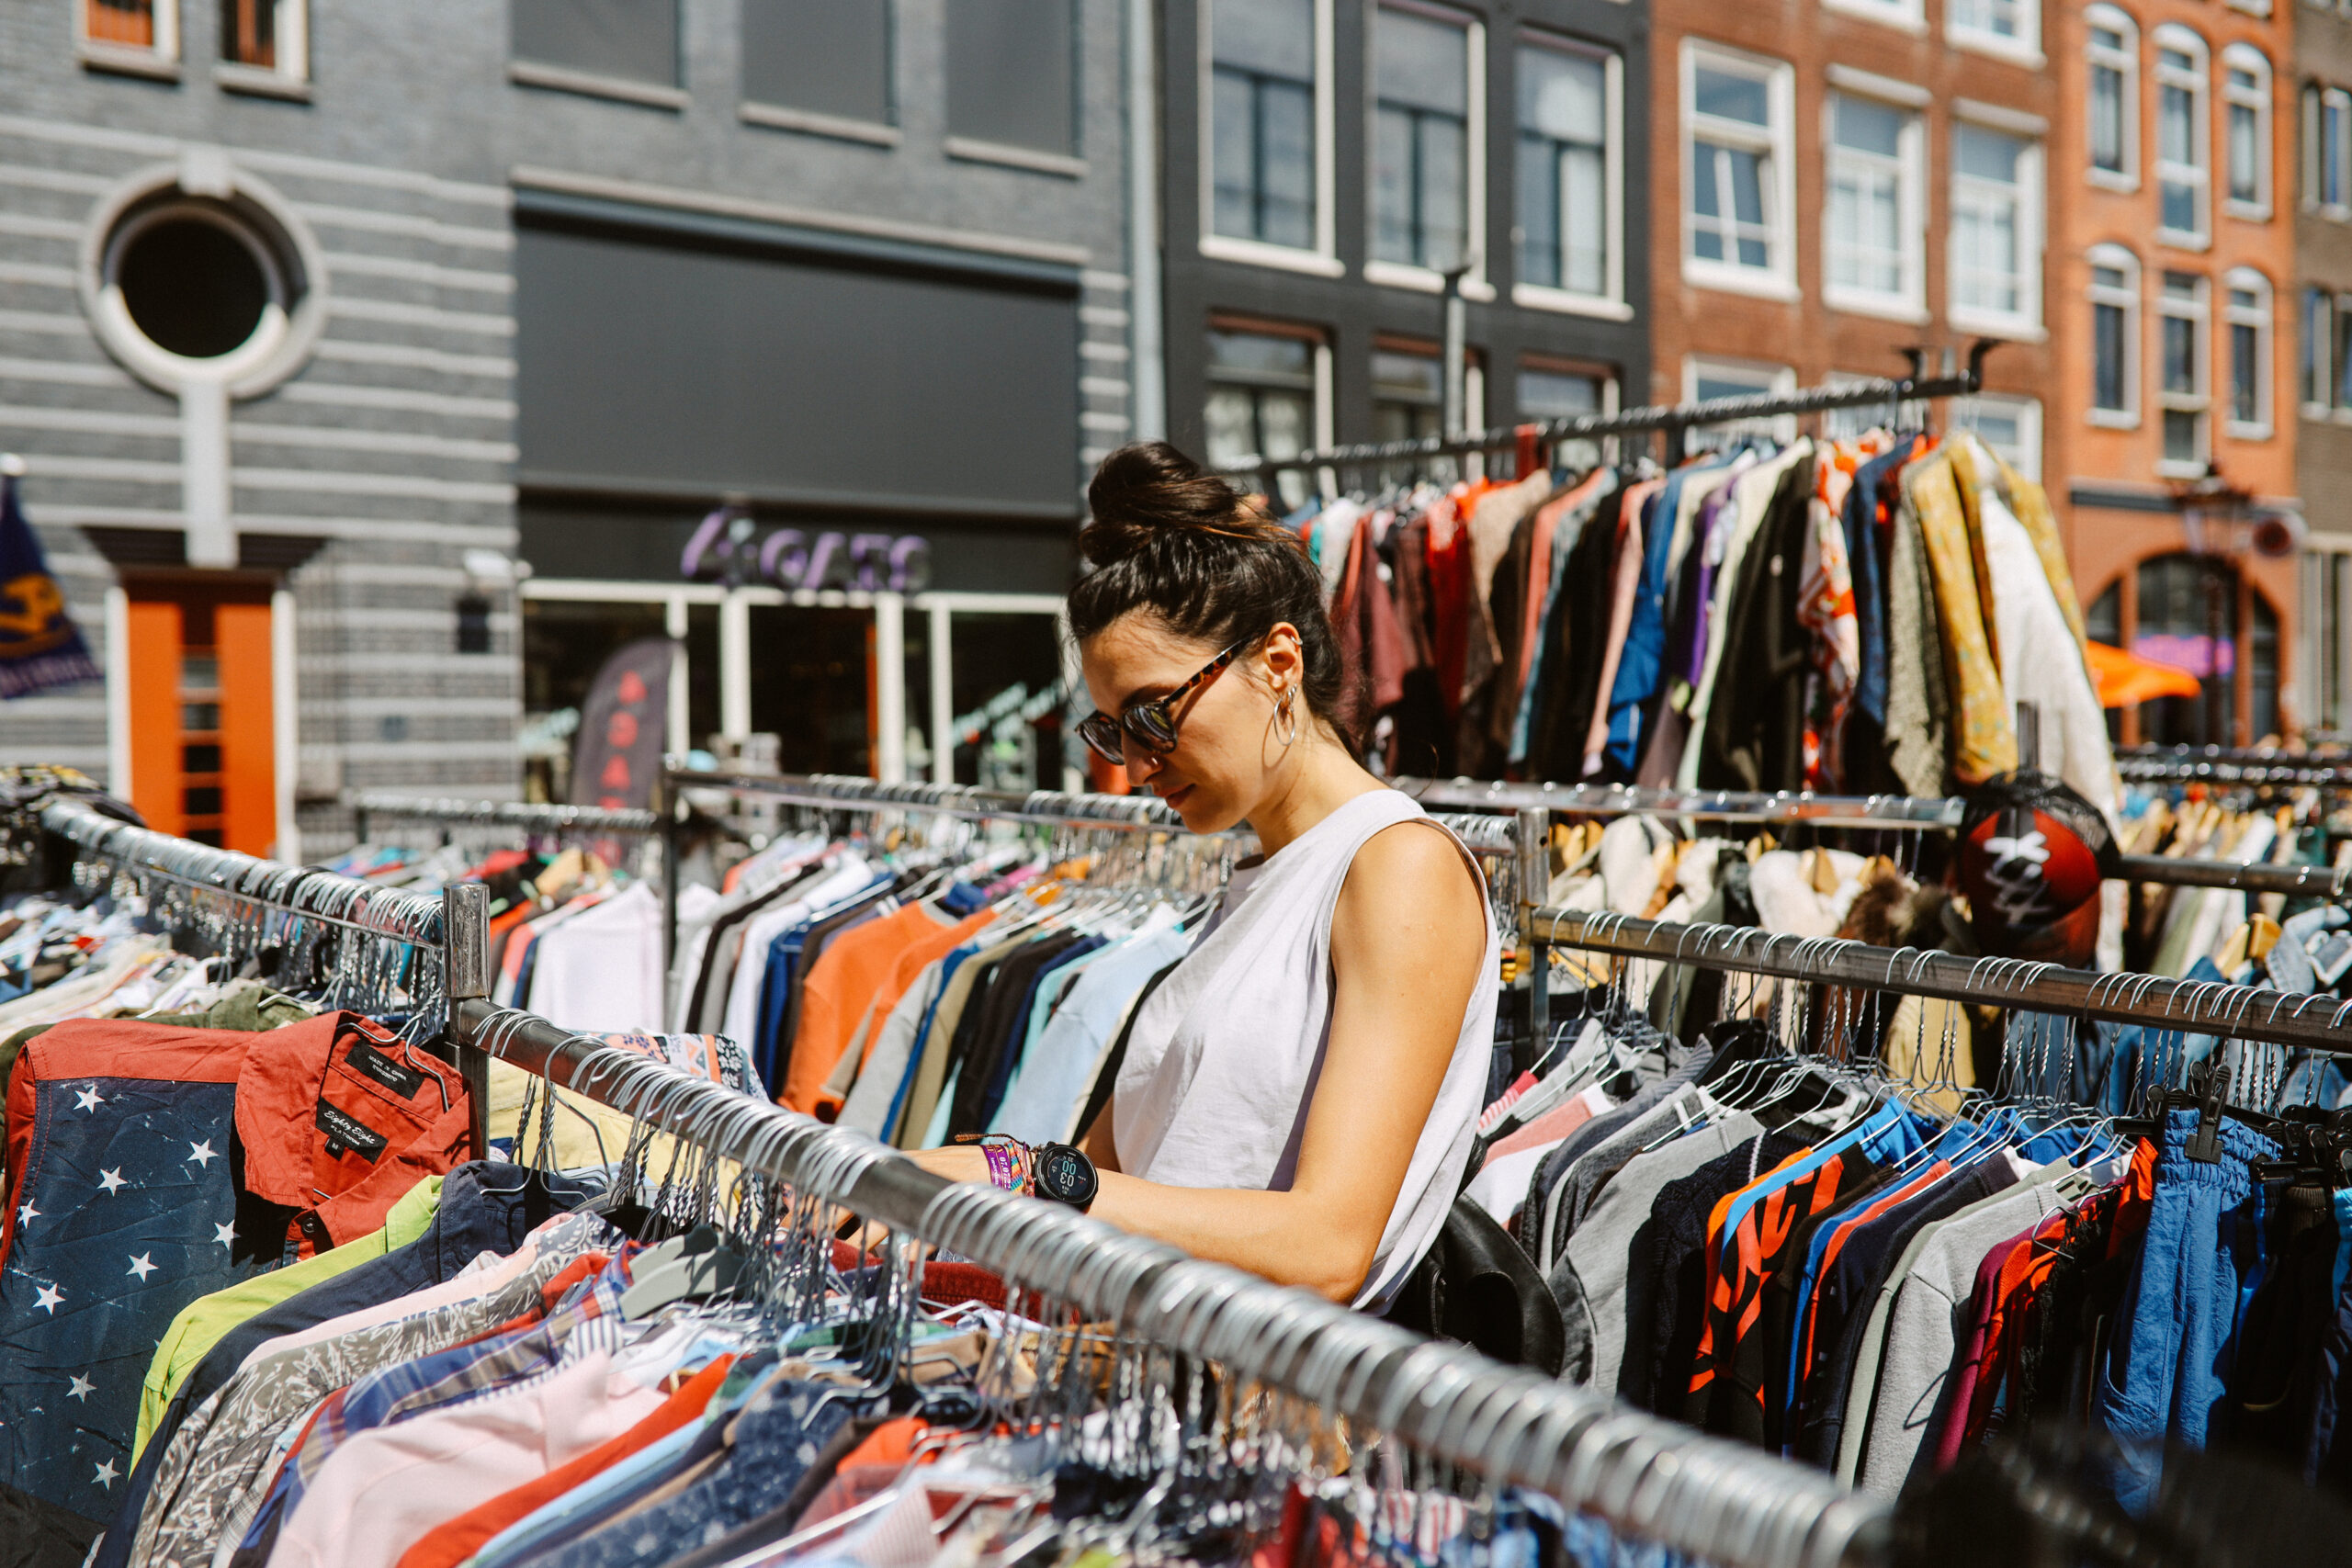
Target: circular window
(204, 280)
(193, 287)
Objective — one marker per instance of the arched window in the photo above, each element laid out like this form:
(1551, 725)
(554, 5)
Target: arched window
(2198, 614)
(2115, 336)
(2183, 142)
(2111, 57)
(2246, 98)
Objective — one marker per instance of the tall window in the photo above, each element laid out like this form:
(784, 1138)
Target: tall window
(2181, 315)
(622, 40)
(2115, 336)
(2339, 344)
(2111, 55)
(2007, 26)
(1263, 122)
(2245, 98)
(265, 36)
(2327, 149)
(2010, 425)
(1873, 219)
(1737, 141)
(2311, 381)
(1569, 217)
(1995, 225)
(2245, 316)
(1263, 395)
(1012, 70)
(819, 57)
(1408, 403)
(1421, 139)
(1705, 379)
(2183, 146)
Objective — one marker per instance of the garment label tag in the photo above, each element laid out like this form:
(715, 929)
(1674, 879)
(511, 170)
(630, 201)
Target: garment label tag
(346, 1134)
(371, 1063)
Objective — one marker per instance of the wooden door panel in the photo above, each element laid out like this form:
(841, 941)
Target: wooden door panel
(154, 677)
(248, 749)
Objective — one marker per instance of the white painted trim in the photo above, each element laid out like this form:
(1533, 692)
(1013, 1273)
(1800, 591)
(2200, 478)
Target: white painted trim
(348, 264)
(594, 85)
(2000, 116)
(340, 440)
(257, 82)
(1536, 297)
(59, 323)
(331, 483)
(441, 405)
(942, 684)
(32, 228)
(1904, 15)
(34, 178)
(539, 178)
(325, 215)
(79, 134)
(63, 374)
(87, 422)
(37, 275)
(776, 116)
(409, 358)
(351, 310)
(1256, 253)
(285, 717)
(372, 528)
(988, 603)
(426, 749)
(971, 150)
(117, 674)
(1871, 84)
(204, 473)
(677, 737)
(735, 666)
(889, 754)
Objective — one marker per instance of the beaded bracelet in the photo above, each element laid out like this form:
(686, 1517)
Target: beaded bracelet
(1007, 1160)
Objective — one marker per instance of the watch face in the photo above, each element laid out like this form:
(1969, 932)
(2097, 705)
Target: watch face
(1065, 1174)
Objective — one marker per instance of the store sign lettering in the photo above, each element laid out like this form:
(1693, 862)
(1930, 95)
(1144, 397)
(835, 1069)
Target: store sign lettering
(725, 548)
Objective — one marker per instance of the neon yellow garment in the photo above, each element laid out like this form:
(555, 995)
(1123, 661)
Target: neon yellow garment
(203, 1322)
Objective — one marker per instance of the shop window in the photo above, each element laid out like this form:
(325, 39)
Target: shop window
(1264, 397)
(2196, 613)
(2245, 96)
(823, 57)
(1876, 227)
(2111, 56)
(1570, 217)
(1422, 138)
(2181, 386)
(1012, 66)
(565, 643)
(626, 40)
(1264, 146)
(813, 686)
(1006, 701)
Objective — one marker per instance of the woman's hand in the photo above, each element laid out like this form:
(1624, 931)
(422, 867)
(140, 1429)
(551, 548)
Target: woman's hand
(957, 1162)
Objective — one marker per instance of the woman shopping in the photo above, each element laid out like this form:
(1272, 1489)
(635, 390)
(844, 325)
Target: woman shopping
(1298, 1095)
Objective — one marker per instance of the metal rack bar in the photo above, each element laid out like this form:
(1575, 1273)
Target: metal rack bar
(2242, 1012)
(526, 816)
(2214, 764)
(1672, 418)
(1648, 1477)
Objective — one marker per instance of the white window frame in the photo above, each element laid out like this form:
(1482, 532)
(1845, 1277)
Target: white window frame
(2198, 82)
(1475, 284)
(1777, 278)
(1611, 305)
(2262, 317)
(2024, 49)
(2029, 417)
(2245, 57)
(162, 59)
(1906, 16)
(2125, 61)
(2126, 297)
(2339, 407)
(1320, 410)
(1778, 379)
(1909, 302)
(2032, 226)
(1323, 261)
(291, 78)
(2318, 344)
(2199, 315)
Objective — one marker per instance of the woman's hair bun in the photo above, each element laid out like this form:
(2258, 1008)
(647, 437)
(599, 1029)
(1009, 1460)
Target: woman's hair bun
(1148, 491)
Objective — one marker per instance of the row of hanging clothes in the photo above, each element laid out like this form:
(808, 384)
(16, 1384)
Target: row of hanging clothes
(577, 921)
(1860, 615)
(920, 986)
(338, 1339)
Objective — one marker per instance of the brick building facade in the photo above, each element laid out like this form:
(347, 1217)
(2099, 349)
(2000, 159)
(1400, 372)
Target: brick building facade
(2323, 363)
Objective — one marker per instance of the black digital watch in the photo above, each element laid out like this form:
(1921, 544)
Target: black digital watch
(1065, 1175)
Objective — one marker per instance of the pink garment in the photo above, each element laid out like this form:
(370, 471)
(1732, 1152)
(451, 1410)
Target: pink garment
(1626, 569)
(386, 1488)
(463, 1288)
(1539, 563)
(1555, 1123)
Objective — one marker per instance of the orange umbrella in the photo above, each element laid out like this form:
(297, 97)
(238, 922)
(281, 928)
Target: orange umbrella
(2123, 678)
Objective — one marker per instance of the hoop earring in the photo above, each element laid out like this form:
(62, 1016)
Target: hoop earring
(1286, 713)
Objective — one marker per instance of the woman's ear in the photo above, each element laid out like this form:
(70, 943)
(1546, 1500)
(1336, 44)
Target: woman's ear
(1285, 657)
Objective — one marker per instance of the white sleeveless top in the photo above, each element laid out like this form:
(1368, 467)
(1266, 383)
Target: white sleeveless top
(1222, 1057)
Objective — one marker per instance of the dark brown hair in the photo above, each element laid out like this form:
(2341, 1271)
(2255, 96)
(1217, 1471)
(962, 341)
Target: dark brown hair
(1170, 537)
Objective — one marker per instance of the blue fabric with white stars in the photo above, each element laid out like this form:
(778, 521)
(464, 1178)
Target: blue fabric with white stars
(126, 1213)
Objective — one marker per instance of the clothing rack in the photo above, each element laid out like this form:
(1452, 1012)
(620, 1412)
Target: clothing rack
(1646, 1476)
(513, 814)
(2231, 765)
(1676, 420)
(1884, 812)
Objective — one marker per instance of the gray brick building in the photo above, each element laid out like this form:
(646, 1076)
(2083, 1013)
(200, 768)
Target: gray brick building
(374, 366)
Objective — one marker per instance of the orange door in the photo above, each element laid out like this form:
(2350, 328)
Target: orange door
(203, 758)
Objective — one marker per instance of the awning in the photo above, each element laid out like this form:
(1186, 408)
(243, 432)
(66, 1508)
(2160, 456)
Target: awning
(2123, 679)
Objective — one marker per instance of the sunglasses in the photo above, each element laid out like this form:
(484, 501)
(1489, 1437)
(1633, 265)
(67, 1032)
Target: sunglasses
(1150, 724)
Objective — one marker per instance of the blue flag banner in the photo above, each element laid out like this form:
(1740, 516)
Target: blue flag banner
(40, 648)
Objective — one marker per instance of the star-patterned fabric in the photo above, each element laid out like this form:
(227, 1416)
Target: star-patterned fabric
(150, 1166)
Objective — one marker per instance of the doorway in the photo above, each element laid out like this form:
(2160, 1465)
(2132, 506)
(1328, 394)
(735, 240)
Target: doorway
(201, 709)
